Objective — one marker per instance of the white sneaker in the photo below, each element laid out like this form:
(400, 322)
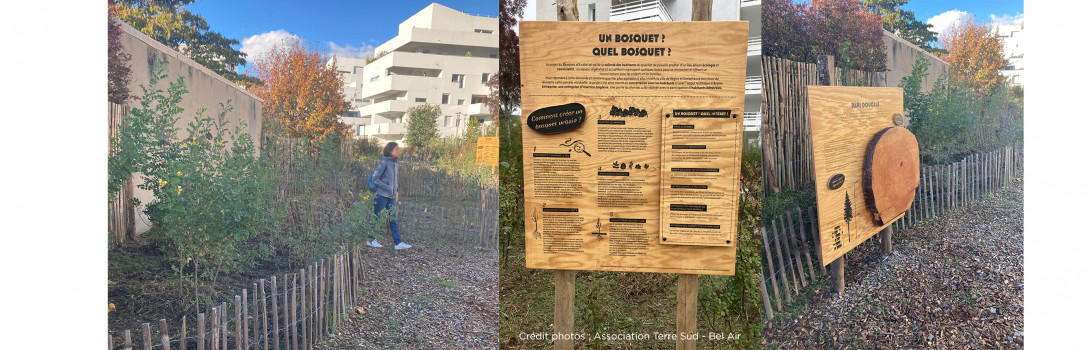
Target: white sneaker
(402, 245)
(374, 243)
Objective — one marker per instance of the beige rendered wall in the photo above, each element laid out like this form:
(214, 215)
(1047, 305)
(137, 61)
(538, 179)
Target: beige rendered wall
(901, 56)
(206, 89)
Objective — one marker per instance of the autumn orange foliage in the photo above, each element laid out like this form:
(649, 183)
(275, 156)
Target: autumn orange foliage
(301, 94)
(975, 55)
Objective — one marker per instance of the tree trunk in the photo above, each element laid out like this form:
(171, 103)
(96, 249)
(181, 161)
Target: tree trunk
(567, 10)
(702, 10)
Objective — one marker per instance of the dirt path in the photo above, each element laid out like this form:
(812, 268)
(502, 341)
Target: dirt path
(426, 297)
(954, 282)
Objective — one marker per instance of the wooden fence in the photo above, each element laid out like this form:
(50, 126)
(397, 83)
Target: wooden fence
(785, 120)
(290, 311)
(791, 243)
(121, 214)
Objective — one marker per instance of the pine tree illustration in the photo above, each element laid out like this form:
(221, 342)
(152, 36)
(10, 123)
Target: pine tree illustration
(848, 214)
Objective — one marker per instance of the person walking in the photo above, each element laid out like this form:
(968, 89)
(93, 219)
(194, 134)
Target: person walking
(385, 180)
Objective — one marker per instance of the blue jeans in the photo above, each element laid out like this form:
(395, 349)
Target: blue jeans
(388, 203)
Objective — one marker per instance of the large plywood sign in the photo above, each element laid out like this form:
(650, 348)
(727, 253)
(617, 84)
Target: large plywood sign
(488, 150)
(866, 165)
(632, 136)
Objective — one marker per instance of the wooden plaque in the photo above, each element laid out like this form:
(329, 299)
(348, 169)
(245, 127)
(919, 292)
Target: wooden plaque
(632, 140)
(488, 150)
(843, 122)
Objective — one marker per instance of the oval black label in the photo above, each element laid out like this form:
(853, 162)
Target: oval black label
(557, 119)
(836, 181)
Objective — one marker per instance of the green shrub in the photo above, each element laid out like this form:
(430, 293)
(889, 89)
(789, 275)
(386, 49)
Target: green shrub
(211, 193)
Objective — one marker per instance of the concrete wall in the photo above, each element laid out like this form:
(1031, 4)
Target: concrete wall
(901, 56)
(206, 89)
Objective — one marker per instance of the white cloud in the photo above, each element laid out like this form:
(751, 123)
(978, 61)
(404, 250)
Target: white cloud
(1006, 20)
(257, 45)
(349, 50)
(943, 21)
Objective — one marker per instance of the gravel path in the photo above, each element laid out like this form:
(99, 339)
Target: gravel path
(954, 282)
(426, 297)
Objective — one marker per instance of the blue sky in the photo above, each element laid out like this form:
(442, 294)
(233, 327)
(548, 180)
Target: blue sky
(347, 28)
(943, 12)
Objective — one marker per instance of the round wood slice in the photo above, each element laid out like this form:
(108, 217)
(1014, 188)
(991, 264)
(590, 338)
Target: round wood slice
(891, 173)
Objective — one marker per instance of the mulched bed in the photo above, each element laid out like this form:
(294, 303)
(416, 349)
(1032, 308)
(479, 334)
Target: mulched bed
(426, 297)
(954, 282)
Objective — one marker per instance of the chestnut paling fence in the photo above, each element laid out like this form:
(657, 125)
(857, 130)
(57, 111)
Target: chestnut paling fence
(791, 245)
(786, 149)
(286, 311)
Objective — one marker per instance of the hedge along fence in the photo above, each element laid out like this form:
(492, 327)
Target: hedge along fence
(792, 252)
(785, 120)
(290, 311)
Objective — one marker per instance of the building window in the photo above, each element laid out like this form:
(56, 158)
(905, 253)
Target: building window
(461, 102)
(475, 99)
(446, 121)
(458, 122)
(458, 78)
(421, 100)
(484, 78)
(446, 98)
(482, 31)
(374, 78)
(492, 56)
(357, 70)
(593, 14)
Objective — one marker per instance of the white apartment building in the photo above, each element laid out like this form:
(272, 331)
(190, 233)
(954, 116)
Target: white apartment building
(680, 10)
(440, 56)
(1012, 50)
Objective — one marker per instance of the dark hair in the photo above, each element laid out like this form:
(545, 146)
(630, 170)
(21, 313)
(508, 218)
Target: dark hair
(389, 148)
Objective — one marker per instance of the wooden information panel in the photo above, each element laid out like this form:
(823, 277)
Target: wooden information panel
(488, 150)
(632, 135)
(843, 122)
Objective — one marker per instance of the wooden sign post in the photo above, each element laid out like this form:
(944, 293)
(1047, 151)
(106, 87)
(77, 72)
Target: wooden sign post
(632, 138)
(866, 166)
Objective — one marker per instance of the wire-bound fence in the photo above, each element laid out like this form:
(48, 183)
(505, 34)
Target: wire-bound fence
(122, 218)
(791, 242)
(285, 311)
(785, 120)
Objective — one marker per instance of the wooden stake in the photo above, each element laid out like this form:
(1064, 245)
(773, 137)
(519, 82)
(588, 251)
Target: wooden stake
(838, 274)
(128, 340)
(687, 287)
(264, 317)
(564, 308)
(164, 334)
(275, 314)
(764, 298)
(239, 320)
(200, 331)
(702, 10)
(887, 239)
(145, 328)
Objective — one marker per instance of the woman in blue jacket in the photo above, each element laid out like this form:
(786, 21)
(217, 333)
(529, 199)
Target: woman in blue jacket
(385, 178)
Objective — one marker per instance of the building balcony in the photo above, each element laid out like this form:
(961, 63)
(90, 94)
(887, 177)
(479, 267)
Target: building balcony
(753, 85)
(754, 47)
(747, 3)
(479, 109)
(640, 10)
(385, 108)
(429, 61)
(440, 37)
(384, 130)
(395, 82)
